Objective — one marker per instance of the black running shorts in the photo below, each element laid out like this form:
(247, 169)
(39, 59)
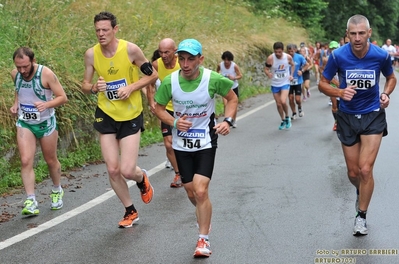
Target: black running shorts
(297, 88)
(104, 124)
(235, 90)
(306, 75)
(165, 128)
(350, 127)
(199, 162)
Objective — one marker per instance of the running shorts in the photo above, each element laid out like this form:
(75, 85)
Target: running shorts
(104, 124)
(350, 127)
(199, 162)
(43, 129)
(165, 128)
(297, 89)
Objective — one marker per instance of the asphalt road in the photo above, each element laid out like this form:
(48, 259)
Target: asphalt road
(278, 197)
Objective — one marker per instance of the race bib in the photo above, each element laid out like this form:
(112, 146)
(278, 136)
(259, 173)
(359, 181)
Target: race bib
(280, 75)
(191, 139)
(29, 112)
(112, 89)
(363, 79)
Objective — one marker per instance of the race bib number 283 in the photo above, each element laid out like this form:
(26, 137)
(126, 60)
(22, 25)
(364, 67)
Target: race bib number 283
(362, 79)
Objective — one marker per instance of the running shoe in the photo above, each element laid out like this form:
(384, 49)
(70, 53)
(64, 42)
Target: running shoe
(301, 113)
(304, 99)
(360, 228)
(129, 220)
(203, 249)
(335, 127)
(30, 207)
(293, 117)
(282, 125)
(288, 122)
(167, 164)
(147, 192)
(176, 182)
(308, 93)
(56, 200)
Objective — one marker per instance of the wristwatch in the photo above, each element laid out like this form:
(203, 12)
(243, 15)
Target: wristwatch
(229, 120)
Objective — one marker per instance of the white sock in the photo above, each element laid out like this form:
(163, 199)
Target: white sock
(204, 236)
(56, 188)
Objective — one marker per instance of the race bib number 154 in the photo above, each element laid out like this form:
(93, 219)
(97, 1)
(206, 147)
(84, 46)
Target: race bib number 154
(191, 139)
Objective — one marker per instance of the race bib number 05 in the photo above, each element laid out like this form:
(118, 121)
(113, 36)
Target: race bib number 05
(363, 79)
(192, 138)
(112, 89)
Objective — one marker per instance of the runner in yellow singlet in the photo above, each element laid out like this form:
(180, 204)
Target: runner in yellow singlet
(165, 65)
(119, 117)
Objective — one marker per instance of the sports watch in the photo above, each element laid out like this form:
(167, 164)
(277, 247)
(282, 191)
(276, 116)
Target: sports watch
(229, 120)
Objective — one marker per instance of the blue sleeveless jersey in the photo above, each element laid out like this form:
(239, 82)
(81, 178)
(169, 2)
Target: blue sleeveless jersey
(364, 73)
(299, 61)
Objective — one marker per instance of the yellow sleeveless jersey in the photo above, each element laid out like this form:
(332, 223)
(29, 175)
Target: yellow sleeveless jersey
(117, 72)
(162, 73)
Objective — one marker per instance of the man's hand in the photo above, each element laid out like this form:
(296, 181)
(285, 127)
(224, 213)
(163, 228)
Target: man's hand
(222, 128)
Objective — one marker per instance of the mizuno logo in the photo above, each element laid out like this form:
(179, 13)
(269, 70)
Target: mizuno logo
(355, 75)
(192, 133)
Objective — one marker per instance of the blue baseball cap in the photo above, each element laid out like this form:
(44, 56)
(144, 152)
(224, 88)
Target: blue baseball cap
(191, 46)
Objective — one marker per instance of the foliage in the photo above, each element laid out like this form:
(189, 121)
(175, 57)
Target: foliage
(383, 16)
(306, 13)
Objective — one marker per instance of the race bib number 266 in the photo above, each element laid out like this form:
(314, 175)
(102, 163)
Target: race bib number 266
(362, 79)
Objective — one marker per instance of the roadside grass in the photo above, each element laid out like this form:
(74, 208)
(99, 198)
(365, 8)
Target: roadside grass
(61, 31)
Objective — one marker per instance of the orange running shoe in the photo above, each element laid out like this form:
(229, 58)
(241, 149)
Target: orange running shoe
(203, 249)
(129, 220)
(147, 192)
(335, 127)
(176, 182)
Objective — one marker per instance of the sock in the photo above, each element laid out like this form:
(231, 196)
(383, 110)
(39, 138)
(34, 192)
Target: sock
(141, 184)
(177, 173)
(362, 214)
(206, 237)
(56, 188)
(287, 118)
(130, 209)
(300, 109)
(294, 113)
(31, 197)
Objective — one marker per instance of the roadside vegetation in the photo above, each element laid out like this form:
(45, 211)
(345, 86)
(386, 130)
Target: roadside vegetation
(59, 32)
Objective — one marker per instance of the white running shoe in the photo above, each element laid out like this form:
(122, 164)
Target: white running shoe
(360, 228)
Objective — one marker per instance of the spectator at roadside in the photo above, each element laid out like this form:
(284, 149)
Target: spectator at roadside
(390, 49)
